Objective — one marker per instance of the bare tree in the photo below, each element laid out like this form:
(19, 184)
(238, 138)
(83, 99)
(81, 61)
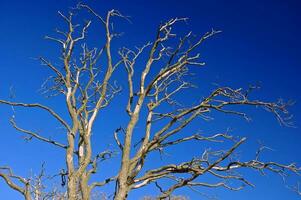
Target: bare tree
(87, 86)
(171, 198)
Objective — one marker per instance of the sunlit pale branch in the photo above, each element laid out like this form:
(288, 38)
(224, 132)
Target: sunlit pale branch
(40, 106)
(198, 137)
(196, 168)
(52, 86)
(236, 97)
(117, 139)
(81, 5)
(135, 165)
(211, 166)
(129, 65)
(37, 182)
(255, 164)
(84, 30)
(67, 19)
(99, 184)
(226, 155)
(8, 176)
(214, 185)
(167, 95)
(183, 60)
(229, 176)
(55, 39)
(159, 136)
(205, 106)
(164, 29)
(203, 38)
(32, 134)
(61, 32)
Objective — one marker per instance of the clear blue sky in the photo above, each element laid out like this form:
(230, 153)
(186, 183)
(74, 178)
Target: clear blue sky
(260, 43)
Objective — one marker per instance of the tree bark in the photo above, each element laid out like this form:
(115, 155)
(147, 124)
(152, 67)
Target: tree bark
(122, 192)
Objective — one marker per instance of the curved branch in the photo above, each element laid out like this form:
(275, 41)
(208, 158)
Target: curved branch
(36, 135)
(36, 105)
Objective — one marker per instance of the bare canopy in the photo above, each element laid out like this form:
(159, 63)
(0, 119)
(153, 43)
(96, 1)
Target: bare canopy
(85, 81)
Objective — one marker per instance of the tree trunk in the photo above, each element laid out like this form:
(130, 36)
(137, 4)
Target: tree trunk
(71, 189)
(84, 187)
(27, 194)
(122, 192)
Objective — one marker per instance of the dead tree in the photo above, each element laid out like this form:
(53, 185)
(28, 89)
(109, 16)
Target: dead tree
(87, 86)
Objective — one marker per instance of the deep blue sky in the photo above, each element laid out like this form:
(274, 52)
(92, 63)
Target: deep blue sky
(260, 42)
